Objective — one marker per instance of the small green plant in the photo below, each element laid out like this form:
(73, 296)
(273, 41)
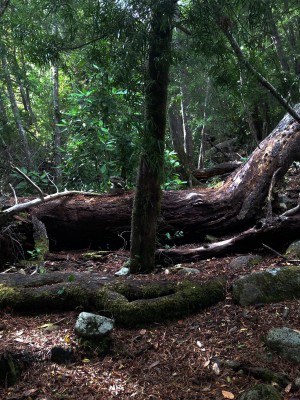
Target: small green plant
(215, 182)
(35, 258)
(172, 178)
(176, 235)
(170, 237)
(35, 253)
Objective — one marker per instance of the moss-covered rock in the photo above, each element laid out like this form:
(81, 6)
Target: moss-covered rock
(286, 342)
(293, 251)
(261, 392)
(272, 285)
(248, 261)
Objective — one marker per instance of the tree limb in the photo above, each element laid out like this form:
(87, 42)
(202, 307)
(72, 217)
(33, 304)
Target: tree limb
(261, 79)
(26, 177)
(32, 203)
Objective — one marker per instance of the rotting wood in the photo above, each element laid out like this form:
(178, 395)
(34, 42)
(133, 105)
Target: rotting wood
(219, 169)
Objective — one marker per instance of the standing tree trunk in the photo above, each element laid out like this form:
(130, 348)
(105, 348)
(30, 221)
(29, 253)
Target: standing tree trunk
(203, 130)
(176, 130)
(187, 132)
(15, 110)
(278, 43)
(56, 122)
(146, 208)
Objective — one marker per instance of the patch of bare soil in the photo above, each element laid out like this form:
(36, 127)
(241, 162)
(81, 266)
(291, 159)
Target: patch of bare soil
(174, 360)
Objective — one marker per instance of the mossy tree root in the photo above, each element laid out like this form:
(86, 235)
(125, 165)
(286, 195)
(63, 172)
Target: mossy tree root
(130, 304)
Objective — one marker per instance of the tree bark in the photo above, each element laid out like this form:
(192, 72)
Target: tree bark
(146, 208)
(56, 127)
(77, 221)
(220, 169)
(15, 110)
(176, 130)
(201, 157)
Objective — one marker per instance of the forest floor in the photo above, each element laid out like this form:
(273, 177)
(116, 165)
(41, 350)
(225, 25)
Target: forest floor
(171, 360)
(175, 360)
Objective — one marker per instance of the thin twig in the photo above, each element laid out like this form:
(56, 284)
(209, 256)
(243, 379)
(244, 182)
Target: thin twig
(51, 181)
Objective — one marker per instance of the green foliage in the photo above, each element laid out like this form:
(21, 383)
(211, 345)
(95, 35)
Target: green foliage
(100, 49)
(22, 187)
(172, 178)
(88, 154)
(35, 253)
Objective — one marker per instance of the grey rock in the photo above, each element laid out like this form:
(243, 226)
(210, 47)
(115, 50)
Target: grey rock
(261, 392)
(286, 342)
(271, 285)
(123, 271)
(293, 251)
(189, 271)
(297, 382)
(92, 326)
(245, 261)
(178, 268)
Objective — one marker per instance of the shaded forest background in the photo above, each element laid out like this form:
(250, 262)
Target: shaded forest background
(72, 88)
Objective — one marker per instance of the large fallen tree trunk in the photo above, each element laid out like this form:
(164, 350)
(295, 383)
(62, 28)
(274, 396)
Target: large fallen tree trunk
(267, 236)
(80, 221)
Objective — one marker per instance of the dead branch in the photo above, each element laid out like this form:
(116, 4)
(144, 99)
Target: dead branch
(27, 179)
(8, 212)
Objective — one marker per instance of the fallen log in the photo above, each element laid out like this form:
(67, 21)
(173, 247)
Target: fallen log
(224, 168)
(270, 234)
(79, 221)
(97, 221)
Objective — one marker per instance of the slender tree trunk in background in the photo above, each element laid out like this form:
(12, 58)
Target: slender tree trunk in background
(176, 130)
(3, 6)
(261, 79)
(291, 36)
(147, 202)
(56, 122)
(3, 113)
(13, 102)
(187, 132)
(265, 118)
(203, 130)
(278, 43)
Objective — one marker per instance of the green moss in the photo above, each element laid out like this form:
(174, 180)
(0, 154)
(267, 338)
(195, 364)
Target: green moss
(8, 296)
(138, 291)
(42, 298)
(188, 297)
(268, 286)
(96, 255)
(42, 248)
(261, 392)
